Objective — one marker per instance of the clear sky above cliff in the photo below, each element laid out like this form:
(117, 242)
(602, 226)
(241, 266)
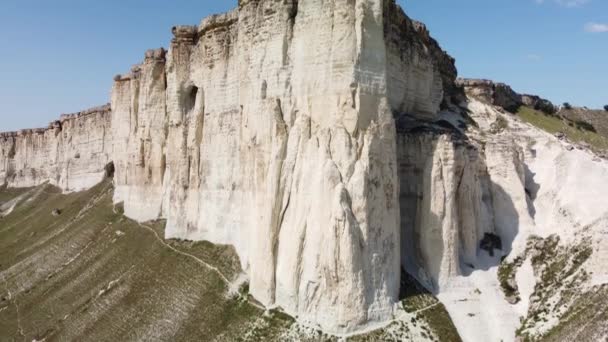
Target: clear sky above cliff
(60, 56)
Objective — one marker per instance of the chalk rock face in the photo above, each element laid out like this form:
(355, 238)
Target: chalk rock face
(320, 139)
(440, 194)
(71, 153)
(140, 135)
(453, 191)
(295, 168)
(271, 128)
(275, 134)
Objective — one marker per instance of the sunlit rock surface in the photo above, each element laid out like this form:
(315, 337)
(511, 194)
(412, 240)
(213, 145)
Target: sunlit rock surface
(278, 138)
(270, 128)
(322, 140)
(71, 153)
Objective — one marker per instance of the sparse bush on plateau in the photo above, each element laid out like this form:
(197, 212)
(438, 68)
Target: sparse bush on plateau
(606, 108)
(567, 105)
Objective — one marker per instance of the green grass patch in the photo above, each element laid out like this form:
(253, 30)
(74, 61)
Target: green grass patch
(582, 321)
(441, 323)
(506, 277)
(91, 274)
(418, 300)
(561, 275)
(575, 131)
(7, 194)
(415, 296)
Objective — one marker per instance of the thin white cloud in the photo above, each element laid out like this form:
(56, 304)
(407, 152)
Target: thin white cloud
(566, 3)
(596, 28)
(534, 57)
(572, 3)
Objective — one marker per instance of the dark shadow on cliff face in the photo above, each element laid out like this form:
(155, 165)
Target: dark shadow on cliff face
(109, 170)
(410, 286)
(532, 189)
(506, 218)
(478, 247)
(408, 124)
(496, 241)
(411, 172)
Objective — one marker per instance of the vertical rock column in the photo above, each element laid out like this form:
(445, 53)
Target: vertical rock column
(125, 108)
(140, 102)
(7, 153)
(184, 114)
(282, 142)
(337, 242)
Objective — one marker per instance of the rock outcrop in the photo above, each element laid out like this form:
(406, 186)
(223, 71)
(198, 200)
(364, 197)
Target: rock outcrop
(502, 95)
(296, 169)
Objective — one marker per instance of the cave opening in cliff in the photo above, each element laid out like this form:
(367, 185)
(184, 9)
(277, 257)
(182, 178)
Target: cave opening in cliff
(109, 170)
(190, 100)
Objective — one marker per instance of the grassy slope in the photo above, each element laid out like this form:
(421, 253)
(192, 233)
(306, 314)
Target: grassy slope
(90, 274)
(8, 194)
(585, 320)
(560, 292)
(597, 118)
(554, 124)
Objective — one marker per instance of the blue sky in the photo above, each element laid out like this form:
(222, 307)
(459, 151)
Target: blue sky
(60, 56)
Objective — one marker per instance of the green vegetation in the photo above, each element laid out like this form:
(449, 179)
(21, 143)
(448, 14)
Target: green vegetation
(418, 300)
(8, 194)
(499, 125)
(560, 275)
(588, 314)
(415, 296)
(576, 131)
(441, 324)
(91, 274)
(506, 277)
(220, 256)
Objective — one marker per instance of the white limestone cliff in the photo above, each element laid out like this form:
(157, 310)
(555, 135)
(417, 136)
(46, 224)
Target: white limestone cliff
(320, 139)
(296, 169)
(71, 153)
(140, 137)
(293, 168)
(271, 128)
